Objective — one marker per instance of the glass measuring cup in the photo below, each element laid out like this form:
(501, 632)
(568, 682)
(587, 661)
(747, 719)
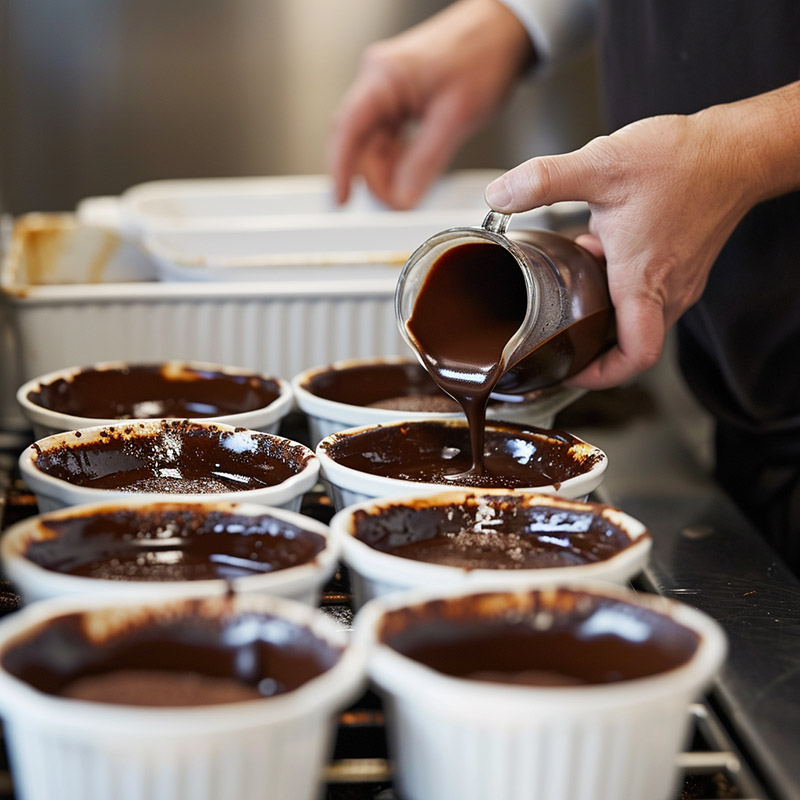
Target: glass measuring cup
(551, 294)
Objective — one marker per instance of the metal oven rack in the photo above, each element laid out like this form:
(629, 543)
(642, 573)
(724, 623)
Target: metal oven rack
(712, 766)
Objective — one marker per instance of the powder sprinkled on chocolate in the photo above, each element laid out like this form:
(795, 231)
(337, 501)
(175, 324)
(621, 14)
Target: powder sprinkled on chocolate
(431, 404)
(493, 532)
(159, 688)
(175, 457)
(515, 456)
(169, 542)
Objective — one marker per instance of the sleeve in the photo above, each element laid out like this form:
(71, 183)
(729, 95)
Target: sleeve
(558, 28)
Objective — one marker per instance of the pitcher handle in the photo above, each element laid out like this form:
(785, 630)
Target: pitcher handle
(496, 222)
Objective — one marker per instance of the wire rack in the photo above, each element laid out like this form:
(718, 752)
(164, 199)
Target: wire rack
(360, 768)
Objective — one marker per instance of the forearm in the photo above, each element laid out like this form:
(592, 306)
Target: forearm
(761, 138)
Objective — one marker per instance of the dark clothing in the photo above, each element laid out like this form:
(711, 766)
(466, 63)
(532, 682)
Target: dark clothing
(739, 346)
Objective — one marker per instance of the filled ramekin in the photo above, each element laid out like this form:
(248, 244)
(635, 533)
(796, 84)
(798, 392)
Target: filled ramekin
(563, 693)
(107, 392)
(474, 537)
(208, 698)
(143, 548)
(369, 391)
(423, 457)
(168, 460)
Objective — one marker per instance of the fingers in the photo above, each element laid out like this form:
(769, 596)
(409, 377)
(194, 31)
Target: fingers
(640, 332)
(592, 243)
(370, 109)
(398, 169)
(428, 153)
(377, 162)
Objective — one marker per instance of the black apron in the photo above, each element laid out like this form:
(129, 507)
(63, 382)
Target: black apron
(739, 345)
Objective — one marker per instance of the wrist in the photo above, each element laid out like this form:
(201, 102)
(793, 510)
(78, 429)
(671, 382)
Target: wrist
(501, 30)
(760, 139)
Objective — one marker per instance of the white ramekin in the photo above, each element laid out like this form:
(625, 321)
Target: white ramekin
(348, 486)
(374, 573)
(53, 493)
(46, 421)
(77, 750)
(303, 582)
(330, 416)
(460, 739)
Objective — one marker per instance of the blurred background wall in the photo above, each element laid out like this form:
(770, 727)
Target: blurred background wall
(98, 95)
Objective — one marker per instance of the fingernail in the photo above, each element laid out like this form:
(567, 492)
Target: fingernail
(498, 193)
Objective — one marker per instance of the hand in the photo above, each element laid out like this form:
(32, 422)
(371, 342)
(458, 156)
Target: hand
(665, 193)
(448, 75)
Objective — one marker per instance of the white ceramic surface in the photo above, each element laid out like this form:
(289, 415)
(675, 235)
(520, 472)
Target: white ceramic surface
(374, 573)
(220, 203)
(53, 493)
(34, 582)
(46, 421)
(460, 739)
(343, 248)
(76, 750)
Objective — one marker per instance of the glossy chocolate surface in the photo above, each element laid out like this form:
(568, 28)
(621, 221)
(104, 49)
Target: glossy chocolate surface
(244, 653)
(564, 638)
(435, 452)
(490, 532)
(170, 543)
(180, 458)
(155, 391)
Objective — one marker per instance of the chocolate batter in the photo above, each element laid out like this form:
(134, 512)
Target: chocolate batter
(186, 659)
(577, 639)
(155, 392)
(391, 385)
(471, 303)
(490, 532)
(181, 458)
(170, 543)
(439, 452)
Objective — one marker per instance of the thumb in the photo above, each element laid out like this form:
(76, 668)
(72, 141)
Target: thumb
(542, 181)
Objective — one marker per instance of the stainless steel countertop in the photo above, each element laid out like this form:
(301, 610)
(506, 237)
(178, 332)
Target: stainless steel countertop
(707, 554)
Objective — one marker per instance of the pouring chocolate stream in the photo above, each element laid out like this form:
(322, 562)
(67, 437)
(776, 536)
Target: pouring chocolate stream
(486, 311)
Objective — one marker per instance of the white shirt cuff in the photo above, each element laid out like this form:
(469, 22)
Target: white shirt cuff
(557, 28)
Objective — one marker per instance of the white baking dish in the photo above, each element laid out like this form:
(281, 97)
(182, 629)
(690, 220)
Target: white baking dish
(231, 202)
(31, 554)
(282, 328)
(312, 247)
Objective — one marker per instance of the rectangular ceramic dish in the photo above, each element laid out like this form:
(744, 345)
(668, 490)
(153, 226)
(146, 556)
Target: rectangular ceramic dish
(83, 287)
